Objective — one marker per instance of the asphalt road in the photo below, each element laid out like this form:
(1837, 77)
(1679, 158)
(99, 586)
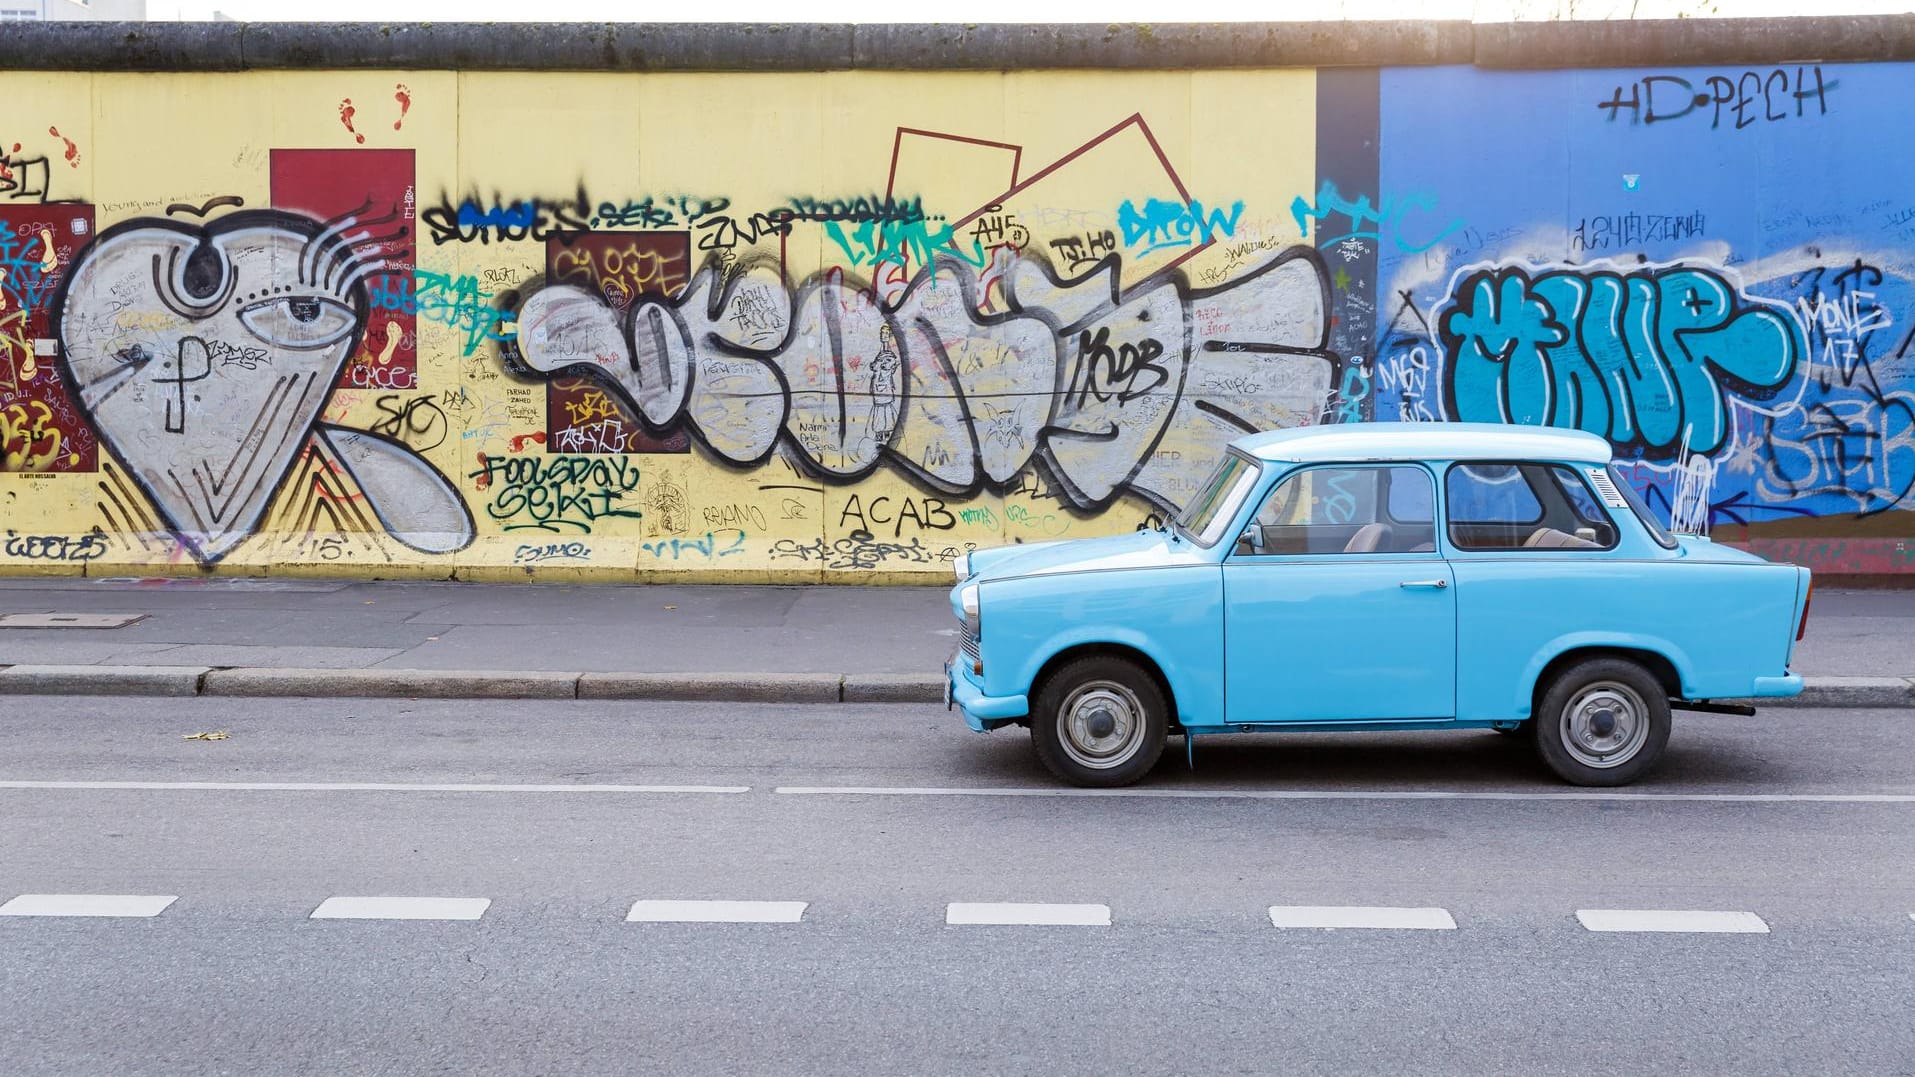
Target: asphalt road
(879, 819)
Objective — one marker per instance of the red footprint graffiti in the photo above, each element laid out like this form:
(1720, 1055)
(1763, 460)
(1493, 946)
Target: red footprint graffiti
(72, 152)
(346, 113)
(404, 97)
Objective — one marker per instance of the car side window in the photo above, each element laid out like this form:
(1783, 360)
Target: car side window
(1508, 505)
(1339, 510)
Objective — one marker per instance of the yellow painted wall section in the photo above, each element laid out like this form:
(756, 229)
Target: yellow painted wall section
(722, 327)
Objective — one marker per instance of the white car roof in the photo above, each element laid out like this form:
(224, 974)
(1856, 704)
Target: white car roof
(1425, 441)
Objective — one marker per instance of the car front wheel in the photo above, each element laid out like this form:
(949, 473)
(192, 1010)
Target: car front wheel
(1602, 722)
(1100, 722)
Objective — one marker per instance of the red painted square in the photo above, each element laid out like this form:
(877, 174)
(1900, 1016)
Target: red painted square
(376, 186)
(41, 427)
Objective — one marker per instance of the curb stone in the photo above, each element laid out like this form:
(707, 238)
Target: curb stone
(386, 683)
(102, 680)
(1840, 692)
(714, 687)
(893, 688)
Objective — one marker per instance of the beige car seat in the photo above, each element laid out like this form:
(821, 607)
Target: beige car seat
(1368, 539)
(1548, 538)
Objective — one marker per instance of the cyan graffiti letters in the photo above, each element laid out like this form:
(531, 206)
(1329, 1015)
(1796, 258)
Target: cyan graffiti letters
(1641, 355)
(1160, 225)
(715, 544)
(1410, 221)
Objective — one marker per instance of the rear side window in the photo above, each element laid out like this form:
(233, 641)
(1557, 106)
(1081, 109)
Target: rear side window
(1492, 494)
(1616, 491)
(1497, 505)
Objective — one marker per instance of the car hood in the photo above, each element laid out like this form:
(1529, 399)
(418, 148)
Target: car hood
(1137, 549)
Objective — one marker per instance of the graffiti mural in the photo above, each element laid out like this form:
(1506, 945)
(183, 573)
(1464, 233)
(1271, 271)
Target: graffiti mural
(1640, 356)
(380, 322)
(1084, 376)
(203, 356)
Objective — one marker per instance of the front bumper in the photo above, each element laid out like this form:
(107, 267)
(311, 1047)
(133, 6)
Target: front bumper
(981, 712)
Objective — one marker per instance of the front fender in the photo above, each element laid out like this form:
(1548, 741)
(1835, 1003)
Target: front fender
(1171, 615)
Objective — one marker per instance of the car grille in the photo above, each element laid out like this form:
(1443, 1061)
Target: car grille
(969, 638)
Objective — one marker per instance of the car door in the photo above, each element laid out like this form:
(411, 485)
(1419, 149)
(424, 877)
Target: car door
(1339, 608)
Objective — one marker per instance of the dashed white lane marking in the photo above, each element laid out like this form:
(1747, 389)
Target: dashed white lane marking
(1032, 914)
(401, 908)
(88, 905)
(1361, 916)
(1686, 920)
(660, 911)
(1338, 794)
(373, 787)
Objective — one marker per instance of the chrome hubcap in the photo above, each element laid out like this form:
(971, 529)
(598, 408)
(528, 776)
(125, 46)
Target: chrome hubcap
(1102, 723)
(1605, 725)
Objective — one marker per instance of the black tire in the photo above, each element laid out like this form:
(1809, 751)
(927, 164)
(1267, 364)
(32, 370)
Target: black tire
(1065, 722)
(1585, 748)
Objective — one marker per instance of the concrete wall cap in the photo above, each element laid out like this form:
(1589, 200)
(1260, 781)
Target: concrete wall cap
(748, 47)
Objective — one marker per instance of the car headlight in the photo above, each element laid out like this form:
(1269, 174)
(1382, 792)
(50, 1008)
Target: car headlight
(968, 599)
(962, 567)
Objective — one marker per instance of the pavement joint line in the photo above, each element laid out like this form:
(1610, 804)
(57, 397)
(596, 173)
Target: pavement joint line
(1344, 794)
(666, 911)
(401, 908)
(1025, 914)
(1335, 917)
(1687, 921)
(369, 787)
(120, 905)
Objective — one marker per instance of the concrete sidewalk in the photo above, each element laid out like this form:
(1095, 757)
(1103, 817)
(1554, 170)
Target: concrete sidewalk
(802, 643)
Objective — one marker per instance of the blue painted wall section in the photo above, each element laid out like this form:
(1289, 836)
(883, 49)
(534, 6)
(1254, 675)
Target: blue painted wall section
(1712, 268)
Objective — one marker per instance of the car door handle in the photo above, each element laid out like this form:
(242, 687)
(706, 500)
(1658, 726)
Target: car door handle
(1437, 585)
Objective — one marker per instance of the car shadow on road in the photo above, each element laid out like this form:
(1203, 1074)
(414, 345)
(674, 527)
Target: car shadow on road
(1452, 760)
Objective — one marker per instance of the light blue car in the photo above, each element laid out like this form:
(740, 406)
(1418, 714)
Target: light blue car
(1378, 576)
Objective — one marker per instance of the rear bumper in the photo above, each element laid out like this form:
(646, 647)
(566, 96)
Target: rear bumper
(981, 712)
(1789, 684)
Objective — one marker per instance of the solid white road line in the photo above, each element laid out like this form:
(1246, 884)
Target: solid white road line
(374, 787)
(401, 908)
(1039, 914)
(1337, 794)
(1361, 916)
(658, 911)
(87, 905)
(1690, 920)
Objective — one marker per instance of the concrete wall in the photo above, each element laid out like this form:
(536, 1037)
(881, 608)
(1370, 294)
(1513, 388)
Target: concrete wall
(844, 324)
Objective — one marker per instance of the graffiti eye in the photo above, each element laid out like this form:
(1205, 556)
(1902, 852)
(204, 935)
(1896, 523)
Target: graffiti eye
(303, 323)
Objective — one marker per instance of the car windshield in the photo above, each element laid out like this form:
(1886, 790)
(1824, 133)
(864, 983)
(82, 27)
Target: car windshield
(1216, 503)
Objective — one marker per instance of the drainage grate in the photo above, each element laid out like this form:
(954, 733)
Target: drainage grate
(69, 620)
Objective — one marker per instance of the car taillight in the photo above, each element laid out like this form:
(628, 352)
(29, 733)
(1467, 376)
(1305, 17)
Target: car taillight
(1802, 627)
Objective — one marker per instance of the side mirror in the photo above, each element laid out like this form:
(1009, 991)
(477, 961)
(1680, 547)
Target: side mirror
(1251, 541)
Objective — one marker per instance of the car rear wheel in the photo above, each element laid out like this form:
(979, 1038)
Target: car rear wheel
(1100, 722)
(1604, 721)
